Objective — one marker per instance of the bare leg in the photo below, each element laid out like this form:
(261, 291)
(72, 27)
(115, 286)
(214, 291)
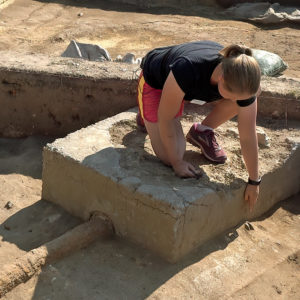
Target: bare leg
(156, 142)
(223, 111)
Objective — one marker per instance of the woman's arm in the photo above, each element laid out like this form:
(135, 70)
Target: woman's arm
(169, 106)
(249, 146)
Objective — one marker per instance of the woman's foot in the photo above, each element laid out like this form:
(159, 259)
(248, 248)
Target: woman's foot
(205, 140)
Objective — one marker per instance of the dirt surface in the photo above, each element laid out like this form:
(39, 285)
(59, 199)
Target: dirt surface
(258, 264)
(262, 263)
(48, 27)
(241, 264)
(274, 149)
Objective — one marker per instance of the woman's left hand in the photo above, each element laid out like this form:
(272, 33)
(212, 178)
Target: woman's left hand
(251, 195)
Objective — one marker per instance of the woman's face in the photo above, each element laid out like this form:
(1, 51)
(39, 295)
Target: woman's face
(226, 94)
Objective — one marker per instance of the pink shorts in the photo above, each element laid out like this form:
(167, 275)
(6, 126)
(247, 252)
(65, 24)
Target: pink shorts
(148, 100)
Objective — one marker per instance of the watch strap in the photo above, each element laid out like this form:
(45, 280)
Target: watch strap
(254, 182)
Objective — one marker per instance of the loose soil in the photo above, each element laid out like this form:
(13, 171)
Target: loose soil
(272, 155)
(259, 264)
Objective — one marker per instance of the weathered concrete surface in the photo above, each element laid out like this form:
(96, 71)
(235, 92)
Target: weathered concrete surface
(87, 171)
(54, 96)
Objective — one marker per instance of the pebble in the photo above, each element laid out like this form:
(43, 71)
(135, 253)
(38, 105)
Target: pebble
(9, 205)
(119, 58)
(80, 14)
(263, 139)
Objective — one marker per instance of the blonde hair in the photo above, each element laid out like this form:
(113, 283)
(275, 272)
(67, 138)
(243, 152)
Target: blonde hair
(241, 71)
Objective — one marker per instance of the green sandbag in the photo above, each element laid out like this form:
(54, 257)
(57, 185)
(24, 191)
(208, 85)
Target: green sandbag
(270, 63)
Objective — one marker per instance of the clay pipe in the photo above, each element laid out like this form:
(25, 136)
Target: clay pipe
(26, 266)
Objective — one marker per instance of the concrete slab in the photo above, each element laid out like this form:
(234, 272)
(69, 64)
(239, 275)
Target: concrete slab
(109, 167)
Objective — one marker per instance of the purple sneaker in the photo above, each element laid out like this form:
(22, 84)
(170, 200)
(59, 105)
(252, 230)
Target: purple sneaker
(206, 141)
(140, 123)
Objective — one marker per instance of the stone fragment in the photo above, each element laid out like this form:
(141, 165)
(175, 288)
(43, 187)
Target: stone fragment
(118, 58)
(9, 205)
(129, 58)
(263, 139)
(293, 141)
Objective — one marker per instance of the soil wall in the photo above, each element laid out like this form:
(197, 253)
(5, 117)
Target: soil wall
(55, 96)
(41, 95)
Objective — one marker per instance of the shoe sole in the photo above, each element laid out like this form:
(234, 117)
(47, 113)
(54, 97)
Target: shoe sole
(192, 141)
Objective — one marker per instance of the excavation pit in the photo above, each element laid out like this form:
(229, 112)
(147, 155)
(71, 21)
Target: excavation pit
(110, 167)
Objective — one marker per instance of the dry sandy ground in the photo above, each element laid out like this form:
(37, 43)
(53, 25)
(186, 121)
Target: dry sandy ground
(274, 149)
(241, 264)
(259, 264)
(48, 26)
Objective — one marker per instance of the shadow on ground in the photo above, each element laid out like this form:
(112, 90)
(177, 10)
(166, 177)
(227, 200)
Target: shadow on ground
(22, 156)
(112, 269)
(211, 12)
(117, 269)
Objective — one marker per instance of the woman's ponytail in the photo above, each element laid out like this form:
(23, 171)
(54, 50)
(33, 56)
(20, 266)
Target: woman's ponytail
(235, 51)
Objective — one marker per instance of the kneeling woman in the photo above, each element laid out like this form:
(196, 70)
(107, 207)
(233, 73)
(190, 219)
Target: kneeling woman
(207, 71)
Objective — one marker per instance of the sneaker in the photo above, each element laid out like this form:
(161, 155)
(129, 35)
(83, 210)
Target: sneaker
(140, 123)
(206, 141)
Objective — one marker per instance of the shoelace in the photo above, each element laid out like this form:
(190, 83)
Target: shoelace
(212, 136)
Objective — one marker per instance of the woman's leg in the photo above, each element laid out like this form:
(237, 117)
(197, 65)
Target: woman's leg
(223, 111)
(157, 144)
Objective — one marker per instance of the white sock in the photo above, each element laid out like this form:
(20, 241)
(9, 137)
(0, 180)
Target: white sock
(201, 127)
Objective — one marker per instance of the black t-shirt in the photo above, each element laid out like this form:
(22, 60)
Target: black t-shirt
(192, 65)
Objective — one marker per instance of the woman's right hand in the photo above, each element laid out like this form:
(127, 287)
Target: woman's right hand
(184, 169)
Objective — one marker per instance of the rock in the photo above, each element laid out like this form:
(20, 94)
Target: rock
(263, 139)
(118, 58)
(294, 142)
(9, 205)
(129, 58)
(80, 14)
(86, 51)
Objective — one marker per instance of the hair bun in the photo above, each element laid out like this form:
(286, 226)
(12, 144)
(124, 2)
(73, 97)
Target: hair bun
(235, 50)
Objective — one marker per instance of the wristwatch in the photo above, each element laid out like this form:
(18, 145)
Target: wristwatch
(254, 182)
